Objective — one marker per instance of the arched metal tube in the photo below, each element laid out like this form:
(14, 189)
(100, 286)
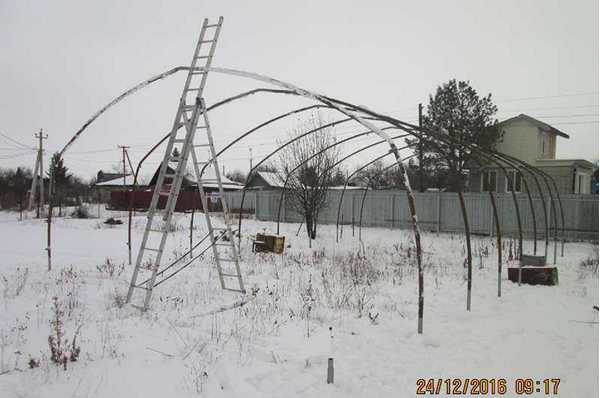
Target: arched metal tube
(531, 170)
(282, 195)
(362, 202)
(546, 179)
(271, 154)
(531, 205)
(445, 139)
(208, 109)
(364, 196)
(341, 199)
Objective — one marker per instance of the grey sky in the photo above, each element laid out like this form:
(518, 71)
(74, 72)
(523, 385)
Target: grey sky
(62, 60)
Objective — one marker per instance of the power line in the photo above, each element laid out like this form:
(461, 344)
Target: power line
(16, 155)
(499, 99)
(16, 142)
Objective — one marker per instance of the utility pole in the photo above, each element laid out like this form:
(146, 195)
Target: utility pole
(125, 156)
(421, 184)
(38, 174)
(250, 149)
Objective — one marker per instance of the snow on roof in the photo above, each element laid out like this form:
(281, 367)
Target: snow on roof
(539, 123)
(271, 178)
(116, 181)
(209, 180)
(341, 187)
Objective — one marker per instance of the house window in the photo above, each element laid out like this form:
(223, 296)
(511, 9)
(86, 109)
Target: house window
(488, 181)
(582, 183)
(544, 143)
(513, 179)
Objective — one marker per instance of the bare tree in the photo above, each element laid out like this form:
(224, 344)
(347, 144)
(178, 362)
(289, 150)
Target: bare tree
(307, 186)
(374, 176)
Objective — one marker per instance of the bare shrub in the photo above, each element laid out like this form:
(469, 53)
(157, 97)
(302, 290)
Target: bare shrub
(81, 212)
(111, 268)
(14, 287)
(68, 282)
(61, 350)
(590, 264)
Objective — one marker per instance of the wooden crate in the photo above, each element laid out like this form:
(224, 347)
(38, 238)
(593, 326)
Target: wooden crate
(269, 243)
(533, 275)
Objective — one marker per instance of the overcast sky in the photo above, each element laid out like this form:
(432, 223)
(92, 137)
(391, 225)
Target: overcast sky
(61, 61)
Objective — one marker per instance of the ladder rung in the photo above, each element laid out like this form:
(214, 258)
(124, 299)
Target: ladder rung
(201, 145)
(193, 89)
(211, 26)
(200, 72)
(175, 158)
(234, 290)
(170, 175)
(203, 57)
(178, 140)
(152, 249)
(231, 275)
(206, 41)
(140, 287)
(201, 127)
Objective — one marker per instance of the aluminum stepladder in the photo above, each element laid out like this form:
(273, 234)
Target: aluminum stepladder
(190, 112)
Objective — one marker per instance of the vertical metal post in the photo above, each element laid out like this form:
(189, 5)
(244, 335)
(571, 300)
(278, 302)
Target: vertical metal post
(439, 211)
(353, 196)
(421, 183)
(41, 179)
(393, 211)
(463, 208)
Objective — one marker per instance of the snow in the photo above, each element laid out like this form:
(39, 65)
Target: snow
(277, 344)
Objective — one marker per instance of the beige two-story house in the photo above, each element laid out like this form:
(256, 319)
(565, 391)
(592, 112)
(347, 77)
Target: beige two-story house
(534, 142)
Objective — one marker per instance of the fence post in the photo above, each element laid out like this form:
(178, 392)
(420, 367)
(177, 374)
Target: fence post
(491, 219)
(256, 196)
(393, 210)
(439, 211)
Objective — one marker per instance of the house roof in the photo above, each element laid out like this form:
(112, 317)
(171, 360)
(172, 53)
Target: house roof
(209, 179)
(115, 180)
(272, 179)
(538, 123)
(564, 162)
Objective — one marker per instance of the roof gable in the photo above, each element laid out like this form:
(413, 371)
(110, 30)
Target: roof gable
(543, 126)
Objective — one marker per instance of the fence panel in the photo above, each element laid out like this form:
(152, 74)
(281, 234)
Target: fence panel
(437, 211)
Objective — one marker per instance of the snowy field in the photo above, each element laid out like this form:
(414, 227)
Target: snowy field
(278, 344)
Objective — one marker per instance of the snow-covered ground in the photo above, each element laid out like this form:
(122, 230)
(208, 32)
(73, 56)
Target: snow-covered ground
(278, 344)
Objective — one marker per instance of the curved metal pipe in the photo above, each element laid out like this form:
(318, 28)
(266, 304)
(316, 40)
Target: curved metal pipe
(282, 195)
(341, 199)
(362, 202)
(547, 178)
(445, 139)
(251, 172)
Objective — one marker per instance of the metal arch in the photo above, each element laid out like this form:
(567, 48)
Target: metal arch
(282, 195)
(547, 177)
(337, 222)
(254, 129)
(214, 106)
(531, 206)
(483, 153)
(251, 172)
(362, 202)
(445, 139)
(539, 188)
